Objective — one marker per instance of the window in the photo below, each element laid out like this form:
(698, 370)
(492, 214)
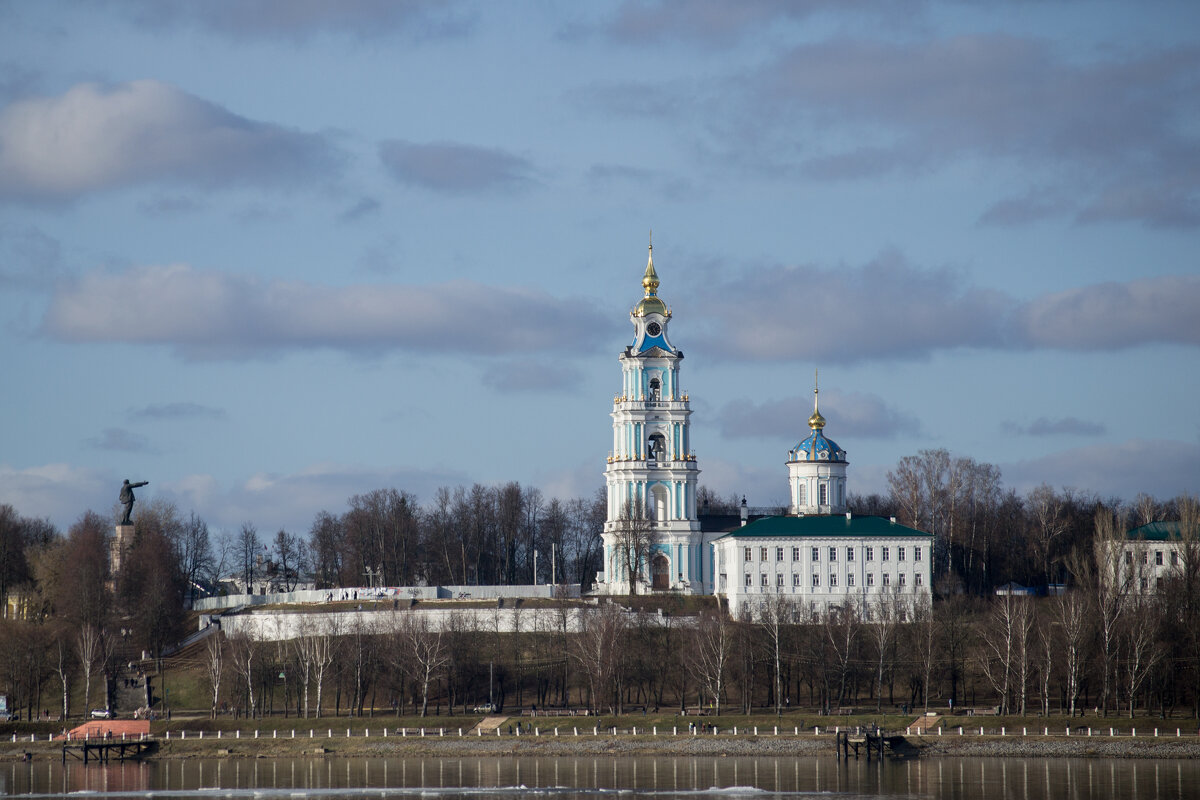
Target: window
(902, 577)
(795, 554)
(917, 579)
(1145, 556)
(832, 554)
(816, 580)
(885, 553)
(870, 579)
(795, 579)
(870, 554)
(748, 583)
(802, 496)
(916, 554)
(824, 494)
(1128, 556)
(764, 580)
(779, 554)
(887, 579)
(1158, 557)
(779, 579)
(903, 615)
(749, 557)
(849, 578)
(1174, 558)
(762, 554)
(1158, 584)
(832, 579)
(816, 554)
(899, 553)
(849, 553)
(1143, 584)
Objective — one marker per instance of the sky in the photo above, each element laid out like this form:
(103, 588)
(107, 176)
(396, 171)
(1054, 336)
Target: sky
(270, 254)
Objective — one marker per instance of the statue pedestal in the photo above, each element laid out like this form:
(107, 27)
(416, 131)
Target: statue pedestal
(120, 543)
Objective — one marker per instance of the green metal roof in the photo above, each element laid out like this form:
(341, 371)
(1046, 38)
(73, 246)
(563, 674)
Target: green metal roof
(1155, 532)
(824, 525)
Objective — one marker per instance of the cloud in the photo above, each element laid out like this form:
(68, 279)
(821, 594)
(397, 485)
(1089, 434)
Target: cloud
(176, 411)
(712, 22)
(58, 492)
(850, 414)
(300, 19)
(364, 207)
(455, 168)
(291, 501)
(120, 440)
(218, 315)
(668, 186)
(890, 309)
(29, 257)
(1066, 426)
(95, 138)
(1115, 316)
(883, 309)
(1164, 469)
(526, 375)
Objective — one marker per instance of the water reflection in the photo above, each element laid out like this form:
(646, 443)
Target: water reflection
(1034, 779)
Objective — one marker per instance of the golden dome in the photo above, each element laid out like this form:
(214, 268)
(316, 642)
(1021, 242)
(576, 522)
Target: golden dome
(816, 421)
(651, 304)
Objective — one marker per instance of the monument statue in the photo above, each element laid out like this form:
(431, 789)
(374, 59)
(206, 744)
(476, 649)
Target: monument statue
(127, 499)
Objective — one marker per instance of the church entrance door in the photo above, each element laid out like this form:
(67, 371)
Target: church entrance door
(660, 573)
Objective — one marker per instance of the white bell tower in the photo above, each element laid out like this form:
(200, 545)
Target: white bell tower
(651, 471)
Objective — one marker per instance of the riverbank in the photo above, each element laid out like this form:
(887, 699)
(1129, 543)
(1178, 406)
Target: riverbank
(452, 746)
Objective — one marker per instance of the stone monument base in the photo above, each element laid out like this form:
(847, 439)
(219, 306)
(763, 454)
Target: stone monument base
(120, 543)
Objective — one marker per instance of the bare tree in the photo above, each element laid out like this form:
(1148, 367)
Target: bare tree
(1140, 643)
(778, 613)
(597, 650)
(636, 537)
(881, 630)
(1110, 584)
(1004, 659)
(244, 649)
(1050, 523)
(712, 647)
(63, 667)
(924, 634)
(842, 625)
(322, 644)
(87, 645)
(419, 650)
(214, 663)
(1070, 612)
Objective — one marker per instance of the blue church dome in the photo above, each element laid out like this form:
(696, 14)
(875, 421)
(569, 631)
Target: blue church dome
(817, 448)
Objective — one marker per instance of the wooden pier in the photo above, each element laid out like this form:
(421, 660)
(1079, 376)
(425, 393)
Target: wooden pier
(875, 742)
(102, 751)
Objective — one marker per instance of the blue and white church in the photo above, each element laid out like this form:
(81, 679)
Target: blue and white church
(818, 555)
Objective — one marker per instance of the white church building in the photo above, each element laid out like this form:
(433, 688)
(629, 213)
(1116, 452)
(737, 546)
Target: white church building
(818, 556)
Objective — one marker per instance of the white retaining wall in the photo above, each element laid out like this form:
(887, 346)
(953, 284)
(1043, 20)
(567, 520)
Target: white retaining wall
(387, 593)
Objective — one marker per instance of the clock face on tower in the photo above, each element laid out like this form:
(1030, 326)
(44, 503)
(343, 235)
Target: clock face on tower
(654, 329)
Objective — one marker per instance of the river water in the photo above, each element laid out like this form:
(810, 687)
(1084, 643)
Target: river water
(601, 778)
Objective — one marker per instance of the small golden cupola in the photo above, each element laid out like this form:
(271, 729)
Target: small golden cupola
(650, 303)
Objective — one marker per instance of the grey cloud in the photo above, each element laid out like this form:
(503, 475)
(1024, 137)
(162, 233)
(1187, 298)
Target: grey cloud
(884, 309)
(1114, 316)
(666, 185)
(176, 411)
(890, 309)
(863, 416)
(169, 205)
(95, 138)
(302, 19)
(217, 315)
(1104, 469)
(29, 258)
(1065, 426)
(364, 207)
(713, 22)
(526, 375)
(292, 500)
(1111, 129)
(120, 440)
(455, 168)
